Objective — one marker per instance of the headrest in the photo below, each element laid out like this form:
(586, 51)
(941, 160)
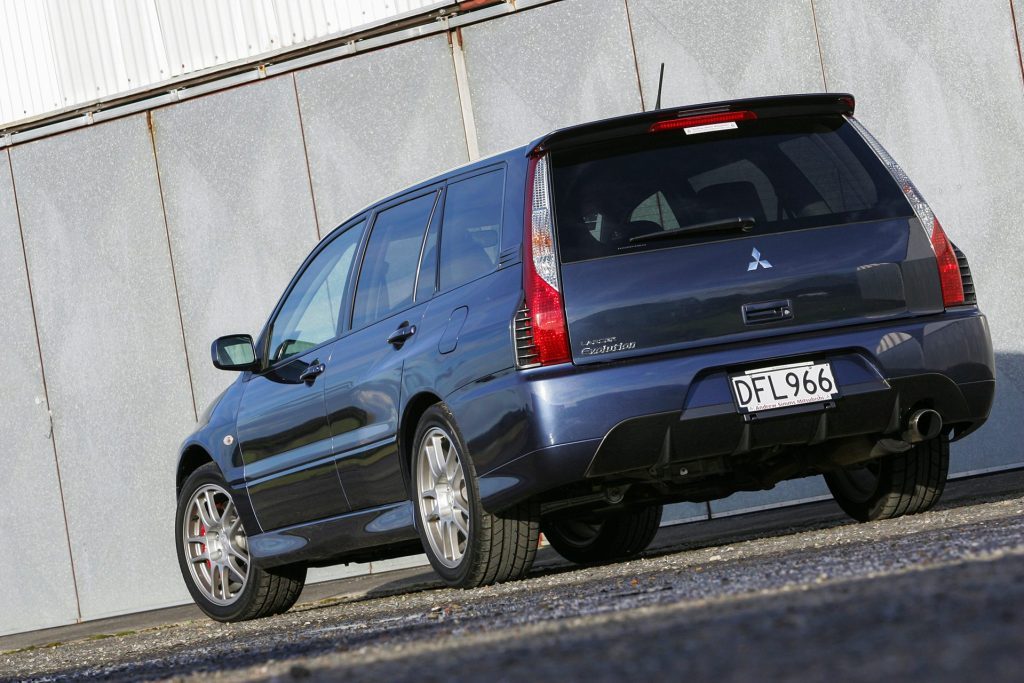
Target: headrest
(731, 200)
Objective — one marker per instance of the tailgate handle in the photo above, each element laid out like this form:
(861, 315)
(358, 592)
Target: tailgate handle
(767, 312)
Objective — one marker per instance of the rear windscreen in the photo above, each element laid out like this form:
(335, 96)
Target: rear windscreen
(785, 174)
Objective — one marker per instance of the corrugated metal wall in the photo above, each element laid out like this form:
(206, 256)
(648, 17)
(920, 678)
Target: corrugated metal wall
(56, 54)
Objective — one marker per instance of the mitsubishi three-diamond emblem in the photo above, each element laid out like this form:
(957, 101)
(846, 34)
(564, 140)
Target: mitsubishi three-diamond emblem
(758, 261)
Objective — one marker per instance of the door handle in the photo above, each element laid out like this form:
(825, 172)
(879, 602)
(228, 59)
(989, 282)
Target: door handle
(401, 335)
(310, 374)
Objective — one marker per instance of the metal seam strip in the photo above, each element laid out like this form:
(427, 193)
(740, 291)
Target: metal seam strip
(305, 155)
(636, 60)
(1016, 36)
(462, 84)
(817, 40)
(170, 255)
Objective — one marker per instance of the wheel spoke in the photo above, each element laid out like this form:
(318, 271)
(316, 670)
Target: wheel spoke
(451, 464)
(428, 494)
(224, 581)
(453, 539)
(225, 515)
(236, 552)
(204, 557)
(463, 524)
(237, 571)
(203, 511)
(201, 540)
(210, 507)
(215, 581)
(446, 543)
(435, 457)
(433, 515)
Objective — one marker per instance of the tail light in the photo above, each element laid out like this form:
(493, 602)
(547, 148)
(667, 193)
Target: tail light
(541, 335)
(949, 268)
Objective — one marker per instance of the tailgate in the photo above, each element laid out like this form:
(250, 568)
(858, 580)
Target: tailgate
(763, 227)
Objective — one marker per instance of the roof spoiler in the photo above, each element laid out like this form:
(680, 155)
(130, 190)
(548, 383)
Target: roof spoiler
(841, 104)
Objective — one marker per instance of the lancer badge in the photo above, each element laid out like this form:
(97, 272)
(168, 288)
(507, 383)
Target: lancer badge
(758, 261)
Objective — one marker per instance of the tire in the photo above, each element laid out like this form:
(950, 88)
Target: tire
(902, 484)
(616, 537)
(212, 544)
(466, 545)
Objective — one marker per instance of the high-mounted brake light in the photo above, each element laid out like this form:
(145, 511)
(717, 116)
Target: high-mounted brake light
(949, 268)
(702, 120)
(544, 314)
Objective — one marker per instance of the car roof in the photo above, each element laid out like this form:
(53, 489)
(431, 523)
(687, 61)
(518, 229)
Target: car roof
(595, 131)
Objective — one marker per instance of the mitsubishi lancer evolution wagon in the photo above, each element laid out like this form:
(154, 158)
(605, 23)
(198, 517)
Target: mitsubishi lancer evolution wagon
(668, 306)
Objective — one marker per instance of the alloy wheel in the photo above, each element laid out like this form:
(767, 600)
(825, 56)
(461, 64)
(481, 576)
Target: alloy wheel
(443, 497)
(216, 547)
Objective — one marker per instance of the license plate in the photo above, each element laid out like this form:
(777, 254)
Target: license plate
(783, 386)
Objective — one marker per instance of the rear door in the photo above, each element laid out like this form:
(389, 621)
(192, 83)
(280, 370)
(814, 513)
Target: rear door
(804, 228)
(363, 392)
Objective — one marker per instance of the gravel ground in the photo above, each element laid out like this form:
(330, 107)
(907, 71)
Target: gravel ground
(935, 597)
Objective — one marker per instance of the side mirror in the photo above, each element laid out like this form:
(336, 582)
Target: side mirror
(234, 352)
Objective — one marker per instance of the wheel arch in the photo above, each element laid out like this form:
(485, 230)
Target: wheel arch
(192, 458)
(414, 410)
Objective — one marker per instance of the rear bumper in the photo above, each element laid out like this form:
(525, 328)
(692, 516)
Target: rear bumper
(536, 430)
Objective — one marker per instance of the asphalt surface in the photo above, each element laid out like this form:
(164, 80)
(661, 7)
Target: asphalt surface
(779, 595)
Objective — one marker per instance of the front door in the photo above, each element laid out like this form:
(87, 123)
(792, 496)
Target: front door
(363, 392)
(283, 431)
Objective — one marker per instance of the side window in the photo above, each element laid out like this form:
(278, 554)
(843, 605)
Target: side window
(310, 314)
(472, 228)
(389, 266)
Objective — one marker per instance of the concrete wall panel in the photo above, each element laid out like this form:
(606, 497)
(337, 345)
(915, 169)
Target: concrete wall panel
(378, 122)
(35, 570)
(112, 348)
(939, 83)
(684, 512)
(724, 50)
(785, 492)
(239, 212)
(547, 68)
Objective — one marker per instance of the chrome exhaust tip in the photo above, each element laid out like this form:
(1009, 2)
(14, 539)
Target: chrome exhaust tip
(923, 425)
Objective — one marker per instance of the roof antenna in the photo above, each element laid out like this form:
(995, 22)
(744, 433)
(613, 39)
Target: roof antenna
(661, 79)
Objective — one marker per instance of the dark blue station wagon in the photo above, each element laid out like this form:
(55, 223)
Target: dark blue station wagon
(668, 306)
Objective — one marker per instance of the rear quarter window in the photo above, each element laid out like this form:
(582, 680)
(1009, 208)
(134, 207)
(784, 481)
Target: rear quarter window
(786, 174)
(471, 231)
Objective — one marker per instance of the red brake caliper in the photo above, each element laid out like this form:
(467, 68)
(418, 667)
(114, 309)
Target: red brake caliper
(202, 532)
